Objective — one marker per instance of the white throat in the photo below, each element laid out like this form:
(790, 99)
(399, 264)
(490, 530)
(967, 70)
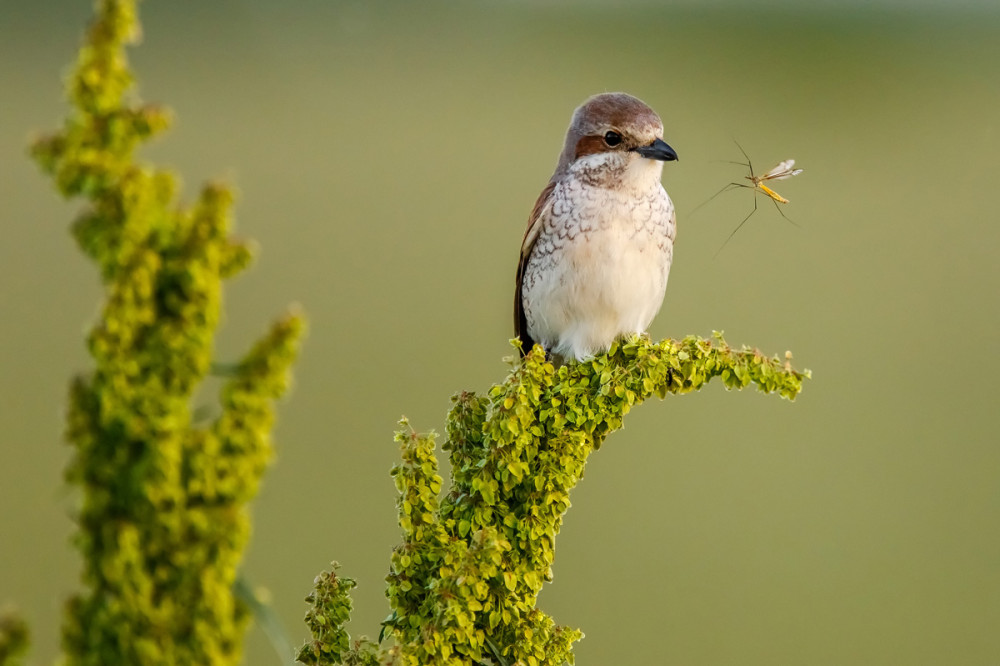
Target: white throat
(623, 171)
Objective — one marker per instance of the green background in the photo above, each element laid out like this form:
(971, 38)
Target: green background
(387, 157)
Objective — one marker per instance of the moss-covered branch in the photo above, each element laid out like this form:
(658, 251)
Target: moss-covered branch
(464, 582)
(163, 520)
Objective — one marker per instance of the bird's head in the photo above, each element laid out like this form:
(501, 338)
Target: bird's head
(615, 139)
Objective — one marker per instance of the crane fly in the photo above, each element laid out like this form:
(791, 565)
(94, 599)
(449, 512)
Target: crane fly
(784, 169)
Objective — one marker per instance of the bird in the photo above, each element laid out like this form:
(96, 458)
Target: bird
(599, 242)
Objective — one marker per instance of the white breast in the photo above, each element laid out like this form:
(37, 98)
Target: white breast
(599, 267)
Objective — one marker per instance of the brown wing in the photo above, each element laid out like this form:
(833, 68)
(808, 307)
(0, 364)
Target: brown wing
(527, 243)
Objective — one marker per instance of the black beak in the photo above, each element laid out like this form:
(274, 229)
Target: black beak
(658, 150)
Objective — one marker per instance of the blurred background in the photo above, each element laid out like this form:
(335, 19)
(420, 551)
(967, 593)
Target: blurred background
(387, 156)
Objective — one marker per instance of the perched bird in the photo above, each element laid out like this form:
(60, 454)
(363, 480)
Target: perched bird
(597, 251)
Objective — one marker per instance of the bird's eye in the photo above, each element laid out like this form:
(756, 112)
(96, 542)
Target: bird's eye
(612, 138)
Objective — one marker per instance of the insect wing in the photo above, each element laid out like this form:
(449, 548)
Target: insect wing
(782, 171)
(787, 174)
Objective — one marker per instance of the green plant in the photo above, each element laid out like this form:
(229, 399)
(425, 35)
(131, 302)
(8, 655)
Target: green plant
(163, 519)
(13, 638)
(463, 584)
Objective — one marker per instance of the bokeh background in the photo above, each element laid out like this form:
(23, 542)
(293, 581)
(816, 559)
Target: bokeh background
(387, 156)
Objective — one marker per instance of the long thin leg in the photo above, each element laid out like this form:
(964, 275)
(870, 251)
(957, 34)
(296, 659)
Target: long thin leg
(740, 226)
(783, 214)
(724, 189)
(749, 164)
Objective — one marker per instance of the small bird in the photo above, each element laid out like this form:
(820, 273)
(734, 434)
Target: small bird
(597, 251)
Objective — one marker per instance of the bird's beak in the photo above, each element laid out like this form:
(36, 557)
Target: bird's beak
(658, 150)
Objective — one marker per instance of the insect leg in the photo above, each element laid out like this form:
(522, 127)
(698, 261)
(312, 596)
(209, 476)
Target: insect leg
(740, 225)
(749, 164)
(783, 214)
(724, 189)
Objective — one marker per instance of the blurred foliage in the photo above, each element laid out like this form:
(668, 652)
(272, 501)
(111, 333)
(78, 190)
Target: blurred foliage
(464, 582)
(13, 638)
(163, 520)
